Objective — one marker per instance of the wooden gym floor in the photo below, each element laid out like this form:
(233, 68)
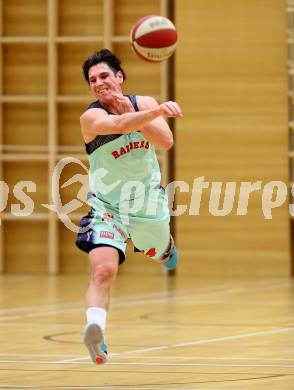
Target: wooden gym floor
(163, 333)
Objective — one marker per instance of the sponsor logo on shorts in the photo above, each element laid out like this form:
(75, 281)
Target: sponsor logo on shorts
(104, 234)
(120, 231)
(107, 217)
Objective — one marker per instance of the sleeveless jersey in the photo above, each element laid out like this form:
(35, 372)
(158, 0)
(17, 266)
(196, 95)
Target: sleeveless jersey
(118, 159)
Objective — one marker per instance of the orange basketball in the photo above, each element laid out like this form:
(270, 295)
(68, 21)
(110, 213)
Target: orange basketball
(154, 38)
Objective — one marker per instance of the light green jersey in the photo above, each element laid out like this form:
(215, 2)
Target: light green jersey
(118, 159)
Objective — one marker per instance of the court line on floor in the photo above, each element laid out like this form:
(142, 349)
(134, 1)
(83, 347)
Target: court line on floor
(148, 364)
(39, 354)
(126, 387)
(197, 342)
(155, 357)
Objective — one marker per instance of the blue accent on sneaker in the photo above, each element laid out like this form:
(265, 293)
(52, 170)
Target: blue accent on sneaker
(104, 347)
(94, 341)
(173, 260)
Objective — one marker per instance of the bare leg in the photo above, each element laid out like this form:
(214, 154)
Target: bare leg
(104, 266)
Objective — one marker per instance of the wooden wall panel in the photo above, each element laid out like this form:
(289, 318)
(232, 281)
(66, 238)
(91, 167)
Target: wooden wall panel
(231, 81)
(25, 247)
(18, 171)
(25, 69)
(77, 18)
(43, 93)
(18, 18)
(19, 121)
(69, 124)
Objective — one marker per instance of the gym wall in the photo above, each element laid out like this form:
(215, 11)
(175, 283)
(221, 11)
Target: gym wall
(231, 81)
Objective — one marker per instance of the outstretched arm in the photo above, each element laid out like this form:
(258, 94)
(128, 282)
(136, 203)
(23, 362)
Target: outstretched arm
(158, 131)
(97, 121)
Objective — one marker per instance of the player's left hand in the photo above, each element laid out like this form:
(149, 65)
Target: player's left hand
(122, 103)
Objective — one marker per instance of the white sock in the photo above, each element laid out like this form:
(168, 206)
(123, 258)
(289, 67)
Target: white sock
(96, 315)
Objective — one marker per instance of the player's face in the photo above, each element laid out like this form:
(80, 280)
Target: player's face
(102, 80)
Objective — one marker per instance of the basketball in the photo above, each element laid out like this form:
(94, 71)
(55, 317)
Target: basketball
(154, 38)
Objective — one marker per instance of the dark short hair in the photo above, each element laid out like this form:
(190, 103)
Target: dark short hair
(105, 56)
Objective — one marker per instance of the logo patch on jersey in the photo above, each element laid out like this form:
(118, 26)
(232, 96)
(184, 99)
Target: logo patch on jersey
(104, 234)
(129, 147)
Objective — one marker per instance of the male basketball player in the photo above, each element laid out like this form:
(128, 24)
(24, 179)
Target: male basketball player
(120, 133)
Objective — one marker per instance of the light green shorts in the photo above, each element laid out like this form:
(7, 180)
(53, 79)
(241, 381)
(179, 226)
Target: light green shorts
(148, 228)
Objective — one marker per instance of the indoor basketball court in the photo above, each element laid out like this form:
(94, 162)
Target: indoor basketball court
(223, 319)
(164, 333)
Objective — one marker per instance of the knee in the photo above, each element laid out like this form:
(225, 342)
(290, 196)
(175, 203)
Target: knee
(104, 273)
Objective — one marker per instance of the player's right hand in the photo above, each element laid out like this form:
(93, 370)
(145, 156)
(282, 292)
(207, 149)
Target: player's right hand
(170, 109)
